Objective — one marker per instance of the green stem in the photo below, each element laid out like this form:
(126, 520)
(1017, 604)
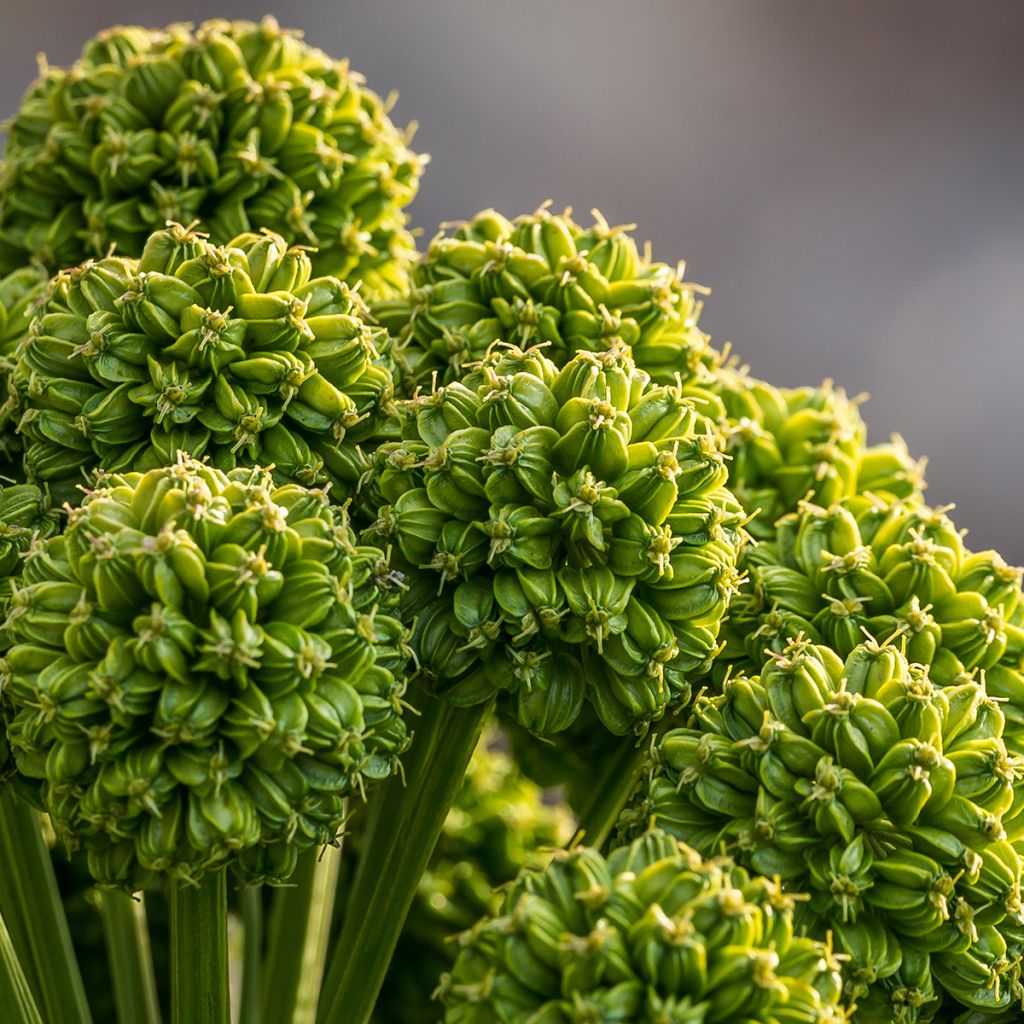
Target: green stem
(199, 951)
(620, 774)
(250, 1006)
(15, 994)
(38, 928)
(300, 926)
(131, 961)
(401, 835)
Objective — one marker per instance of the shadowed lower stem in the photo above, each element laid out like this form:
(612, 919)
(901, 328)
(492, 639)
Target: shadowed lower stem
(31, 906)
(404, 825)
(15, 995)
(300, 926)
(131, 962)
(199, 951)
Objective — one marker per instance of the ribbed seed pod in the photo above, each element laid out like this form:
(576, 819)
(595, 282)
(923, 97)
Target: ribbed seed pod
(892, 570)
(653, 933)
(19, 292)
(789, 445)
(889, 799)
(498, 824)
(232, 352)
(543, 279)
(236, 126)
(200, 669)
(568, 537)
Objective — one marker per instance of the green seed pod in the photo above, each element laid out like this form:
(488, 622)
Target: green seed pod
(234, 127)
(554, 552)
(652, 933)
(128, 361)
(200, 667)
(886, 798)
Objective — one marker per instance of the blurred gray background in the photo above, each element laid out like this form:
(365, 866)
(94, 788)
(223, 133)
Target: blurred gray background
(847, 176)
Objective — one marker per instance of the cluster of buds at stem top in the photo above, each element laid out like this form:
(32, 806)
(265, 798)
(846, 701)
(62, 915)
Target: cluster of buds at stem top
(789, 445)
(231, 352)
(238, 126)
(889, 800)
(500, 823)
(891, 570)
(545, 280)
(568, 535)
(200, 670)
(19, 293)
(26, 519)
(653, 933)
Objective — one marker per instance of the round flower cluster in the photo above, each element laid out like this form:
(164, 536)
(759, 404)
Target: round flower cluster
(236, 126)
(232, 352)
(568, 535)
(544, 280)
(788, 445)
(653, 933)
(892, 801)
(19, 292)
(200, 670)
(889, 570)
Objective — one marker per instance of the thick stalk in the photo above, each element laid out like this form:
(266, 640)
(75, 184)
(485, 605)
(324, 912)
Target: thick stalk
(131, 961)
(15, 995)
(300, 926)
(31, 906)
(403, 830)
(199, 951)
(250, 1010)
(620, 773)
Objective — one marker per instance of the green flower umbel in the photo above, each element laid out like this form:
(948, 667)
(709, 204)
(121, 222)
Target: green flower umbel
(236, 126)
(572, 534)
(19, 293)
(545, 280)
(654, 933)
(788, 445)
(890, 799)
(201, 671)
(889, 570)
(232, 352)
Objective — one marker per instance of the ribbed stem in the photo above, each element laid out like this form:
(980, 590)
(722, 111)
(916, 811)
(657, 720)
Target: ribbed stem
(15, 995)
(300, 925)
(131, 961)
(250, 1010)
(199, 951)
(619, 775)
(401, 835)
(36, 923)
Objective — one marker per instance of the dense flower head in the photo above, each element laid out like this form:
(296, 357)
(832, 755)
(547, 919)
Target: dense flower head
(19, 292)
(543, 279)
(891, 800)
(236, 126)
(233, 352)
(789, 445)
(500, 822)
(653, 933)
(26, 519)
(568, 536)
(890, 570)
(200, 669)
